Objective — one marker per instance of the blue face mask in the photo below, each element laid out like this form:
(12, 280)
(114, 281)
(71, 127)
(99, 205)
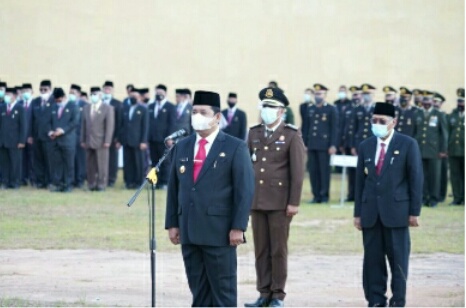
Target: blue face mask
(7, 99)
(26, 96)
(107, 96)
(72, 97)
(379, 130)
(341, 95)
(367, 98)
(2, 93)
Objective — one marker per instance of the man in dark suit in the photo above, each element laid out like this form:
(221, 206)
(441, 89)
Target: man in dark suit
(26, 167)
(96, 136)
(162, 121)
(236, 118)
(118, 110)
(322, 140)
(65, 119)
(209, 196)
(278, 155)
(133, 138)
(80, 154)
(388, 200)
(127, 100)
(183, 110)
(12, 139)
(432, 136)
(40, 127)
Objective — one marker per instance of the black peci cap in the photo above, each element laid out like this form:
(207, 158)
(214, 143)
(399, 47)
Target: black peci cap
(206, 98)
(384, 109)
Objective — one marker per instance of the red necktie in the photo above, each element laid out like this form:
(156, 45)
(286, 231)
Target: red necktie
(378, 168)
(199, 159)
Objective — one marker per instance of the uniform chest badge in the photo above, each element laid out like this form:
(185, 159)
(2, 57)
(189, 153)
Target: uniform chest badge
(182, 169)
(324, 117)
(164, 110)
(409, 121)
(282, 138)
(139, 112)
(222, 154)
(366, 171)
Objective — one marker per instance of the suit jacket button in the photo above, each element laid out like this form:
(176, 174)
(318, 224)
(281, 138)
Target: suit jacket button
(262, 169)
(266, 148)
(264, 159)
(193, 189)
(261, 182)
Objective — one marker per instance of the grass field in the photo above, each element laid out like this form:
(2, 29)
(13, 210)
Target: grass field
(38, 219)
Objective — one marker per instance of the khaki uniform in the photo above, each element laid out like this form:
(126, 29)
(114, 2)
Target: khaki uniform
(279, 163)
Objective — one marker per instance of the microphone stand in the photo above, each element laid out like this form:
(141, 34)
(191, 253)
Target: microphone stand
(151, 178)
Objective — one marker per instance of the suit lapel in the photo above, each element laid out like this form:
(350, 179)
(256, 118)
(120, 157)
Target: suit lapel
(213, 154)
(389, 153)
(276, 134)
(188, 153)
(371, 155)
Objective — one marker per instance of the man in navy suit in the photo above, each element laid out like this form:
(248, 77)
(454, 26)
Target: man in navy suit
(12, 139)
(236, 118)
(80, 156)
(162, 119)
(183, 110)
(388, 195)
(65, 119)
(210, 192)
(133, 138)
(26, 168)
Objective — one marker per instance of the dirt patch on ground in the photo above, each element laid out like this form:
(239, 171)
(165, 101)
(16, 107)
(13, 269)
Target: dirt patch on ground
(122, 278)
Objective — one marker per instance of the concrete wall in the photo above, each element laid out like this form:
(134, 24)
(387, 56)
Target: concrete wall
(239, 45)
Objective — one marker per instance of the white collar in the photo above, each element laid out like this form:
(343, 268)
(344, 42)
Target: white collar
(12, 105)
(273, 129)
(232, 110)
(386, 141)
(211, 138)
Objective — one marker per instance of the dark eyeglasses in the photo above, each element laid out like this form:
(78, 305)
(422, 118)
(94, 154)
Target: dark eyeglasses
(380, 121)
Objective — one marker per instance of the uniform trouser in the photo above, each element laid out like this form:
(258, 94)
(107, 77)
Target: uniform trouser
(319, 172)
(157, 149)
(457, 177)
(62, 165)
(443, 178)
(41, 163)
(97, 167)
(112, 164)
(80, 165)
(395, 244)
(10, 163)
(27, 171)
(212, 275)
(351, 177)
(133, 165)
(270, 232)
(431, 168)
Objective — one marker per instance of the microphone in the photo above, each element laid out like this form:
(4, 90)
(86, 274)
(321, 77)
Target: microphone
(177, 134)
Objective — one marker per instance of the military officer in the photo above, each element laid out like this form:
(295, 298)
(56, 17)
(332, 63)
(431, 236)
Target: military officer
(406, 113)
(322, 140)
(303, 107)
(13, 134)
(431, 135)
(26, 167)
(346, 135)
(118, 110)
(456, 149)
(80, 153)
(162, 121)
(418, 98)
(439, 100)
(390, 95)
(236, 118)
(278, 156)
(288, 116)
(362, 116)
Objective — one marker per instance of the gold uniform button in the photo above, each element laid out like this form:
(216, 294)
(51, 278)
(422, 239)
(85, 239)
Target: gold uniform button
(424, 128)
(423, 135)
(315, 127)
(262, 169)
(365, 129)
(366, 124)
(457, 142)
(316, 121)
(261, 182)
(266, 148)
(399, 129)
(279, 183)
(423, 142)
(459, 129)
(314, 134)
(264, 159)
(364, 136)
(457, 135)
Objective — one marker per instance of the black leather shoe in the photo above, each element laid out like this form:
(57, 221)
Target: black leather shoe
(324, 200)
(314, 201)
(433, 204)
(260, 302)
(455, 203)
(275, 302)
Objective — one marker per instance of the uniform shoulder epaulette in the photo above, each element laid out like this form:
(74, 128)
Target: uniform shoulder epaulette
(293, 127)
(256, 126)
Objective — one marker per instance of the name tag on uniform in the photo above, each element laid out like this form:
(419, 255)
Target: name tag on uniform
(433, 121)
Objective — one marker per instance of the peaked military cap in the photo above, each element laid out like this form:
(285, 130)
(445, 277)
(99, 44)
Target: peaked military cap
(388, 89)
(460, 92)
(367, 87)
(273, 97)
(404, 90)
(320, 87)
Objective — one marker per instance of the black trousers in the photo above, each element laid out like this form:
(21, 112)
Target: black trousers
(319, 172)
(62, 165)
(212, 275)
(157, 149)
(457, 177)
(394, 244)
(112, 164)
(133, 167)
(41, 163)
(351, 172)
(10, 164)
(431, 191)
(27, 165)
(79, 166)
(443, 179)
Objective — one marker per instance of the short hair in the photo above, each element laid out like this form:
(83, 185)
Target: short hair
(129, 86)
(216, 109)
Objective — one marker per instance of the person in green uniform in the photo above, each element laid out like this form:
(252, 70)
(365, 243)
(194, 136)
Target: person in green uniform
(431, 135)
(439, 100)
(456, 149)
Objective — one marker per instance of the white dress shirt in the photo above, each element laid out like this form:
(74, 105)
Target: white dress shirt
(387, 142)
(210, 140)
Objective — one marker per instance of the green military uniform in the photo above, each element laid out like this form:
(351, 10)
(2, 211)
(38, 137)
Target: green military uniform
(456, 149)
(439, 99)
(431, 135)
(288, 116)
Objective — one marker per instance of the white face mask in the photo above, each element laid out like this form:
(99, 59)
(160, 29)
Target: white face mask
(307, 97)
(200, 122)
(45, 96)
(269, 115)
(95, 98)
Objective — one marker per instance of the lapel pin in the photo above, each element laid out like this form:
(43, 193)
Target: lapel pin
(397, 152)
(163, 110)
(47, 105)
(222, 154)
(366, 171)
(182, 169)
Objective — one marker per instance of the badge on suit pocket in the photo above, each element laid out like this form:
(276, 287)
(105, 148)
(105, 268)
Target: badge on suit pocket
(187, 111)
(16, 111)
(164, 110)
(139, 112)
(66, 110)
(182, 169)
(366, 171)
